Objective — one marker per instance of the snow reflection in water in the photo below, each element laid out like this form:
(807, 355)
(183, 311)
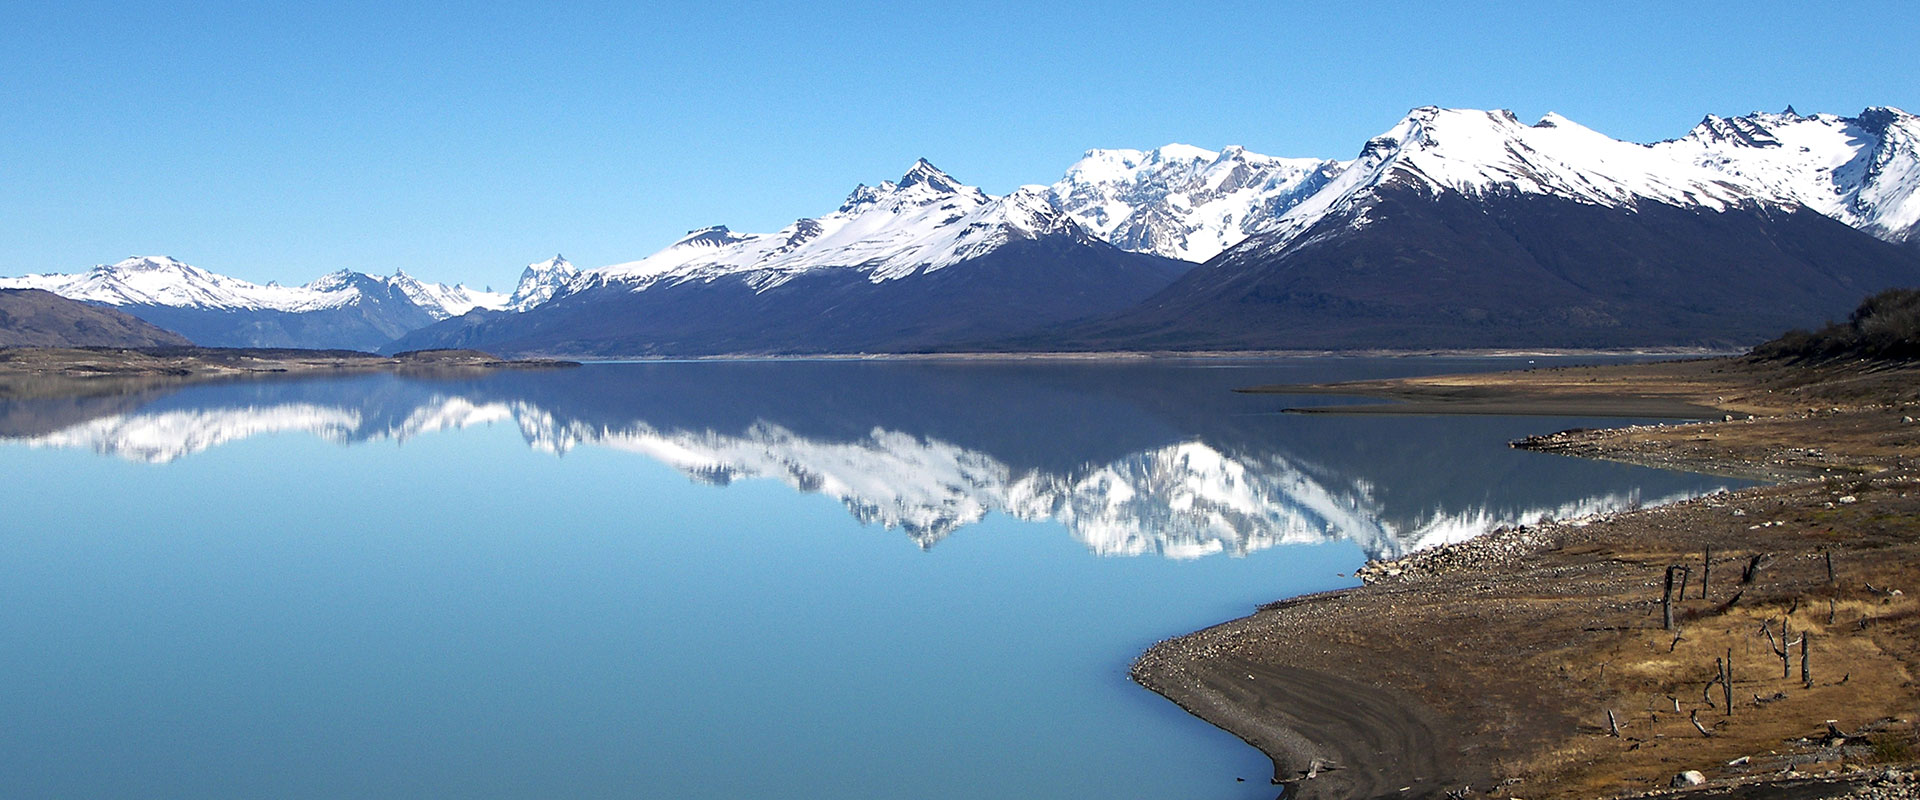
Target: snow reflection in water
(1155, 458)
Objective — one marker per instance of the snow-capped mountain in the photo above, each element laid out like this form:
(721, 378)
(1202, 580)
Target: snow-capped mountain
(1185, 202)
(921, 223)
(540, 282)
(343, 309)
(166, 281)
(1462, 228)
(1864, 170)
(1478, 154)
(442, 301)
(1454, 227)
(924, 261)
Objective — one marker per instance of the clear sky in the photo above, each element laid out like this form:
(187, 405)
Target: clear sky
(462, 140)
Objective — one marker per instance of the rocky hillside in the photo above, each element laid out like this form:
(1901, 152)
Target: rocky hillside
(36, 318)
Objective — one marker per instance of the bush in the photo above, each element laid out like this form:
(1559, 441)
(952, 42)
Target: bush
(1885, 327)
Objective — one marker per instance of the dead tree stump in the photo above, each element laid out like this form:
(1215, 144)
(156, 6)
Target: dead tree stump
(1806, 670)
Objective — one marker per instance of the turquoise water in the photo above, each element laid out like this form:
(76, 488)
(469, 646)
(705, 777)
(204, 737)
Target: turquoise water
(803, 579)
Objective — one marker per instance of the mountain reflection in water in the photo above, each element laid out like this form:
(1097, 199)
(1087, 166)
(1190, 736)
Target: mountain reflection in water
(1132, 458)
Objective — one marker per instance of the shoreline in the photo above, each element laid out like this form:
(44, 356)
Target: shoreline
(52, 371)
(1503, 655)
(1172, 355)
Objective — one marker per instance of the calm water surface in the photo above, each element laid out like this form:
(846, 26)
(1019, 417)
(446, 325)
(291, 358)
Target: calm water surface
(697, 580)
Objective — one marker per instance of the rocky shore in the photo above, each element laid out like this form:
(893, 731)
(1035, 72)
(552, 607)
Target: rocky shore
(1537, 661)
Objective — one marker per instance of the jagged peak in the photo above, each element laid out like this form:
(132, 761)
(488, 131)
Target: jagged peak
(1879, 118)
(924, 173)
(921, 183)
(710, 236)
(333, 280)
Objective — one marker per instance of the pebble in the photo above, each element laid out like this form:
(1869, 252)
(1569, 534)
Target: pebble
(1500, 546)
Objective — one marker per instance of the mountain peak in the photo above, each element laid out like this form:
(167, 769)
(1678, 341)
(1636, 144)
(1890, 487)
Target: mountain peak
(924, 173)
(1175, 151)
(542, 281)
(333, 280)
(710, 236)
(144, 263)
(556, 263)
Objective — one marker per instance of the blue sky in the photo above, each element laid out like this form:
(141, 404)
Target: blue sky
(461, 141)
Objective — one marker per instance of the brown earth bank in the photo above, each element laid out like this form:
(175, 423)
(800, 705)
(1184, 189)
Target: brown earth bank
(60, 371)
(1536, 662)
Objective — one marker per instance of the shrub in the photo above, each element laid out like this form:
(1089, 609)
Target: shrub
(1885, 327)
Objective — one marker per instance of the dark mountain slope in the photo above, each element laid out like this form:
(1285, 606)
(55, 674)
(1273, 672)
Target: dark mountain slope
(36, 318)
(1507, 270)
(1020, 287)
(380, 313)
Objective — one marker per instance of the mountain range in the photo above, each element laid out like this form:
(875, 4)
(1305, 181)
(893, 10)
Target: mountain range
(1454, 228)
(344, 309)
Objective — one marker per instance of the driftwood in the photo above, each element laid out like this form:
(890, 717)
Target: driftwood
(1706, 571)
(1613, 725)
(1695, 717)
(1753, 567)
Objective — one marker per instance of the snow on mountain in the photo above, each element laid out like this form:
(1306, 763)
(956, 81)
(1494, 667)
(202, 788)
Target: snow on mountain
(443, 301)
(165, 281)
(540, 282)
(1181, 201)
(923, 222)
(1864, 170)
(1482, 153)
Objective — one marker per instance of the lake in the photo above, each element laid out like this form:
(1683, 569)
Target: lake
(804, 579)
